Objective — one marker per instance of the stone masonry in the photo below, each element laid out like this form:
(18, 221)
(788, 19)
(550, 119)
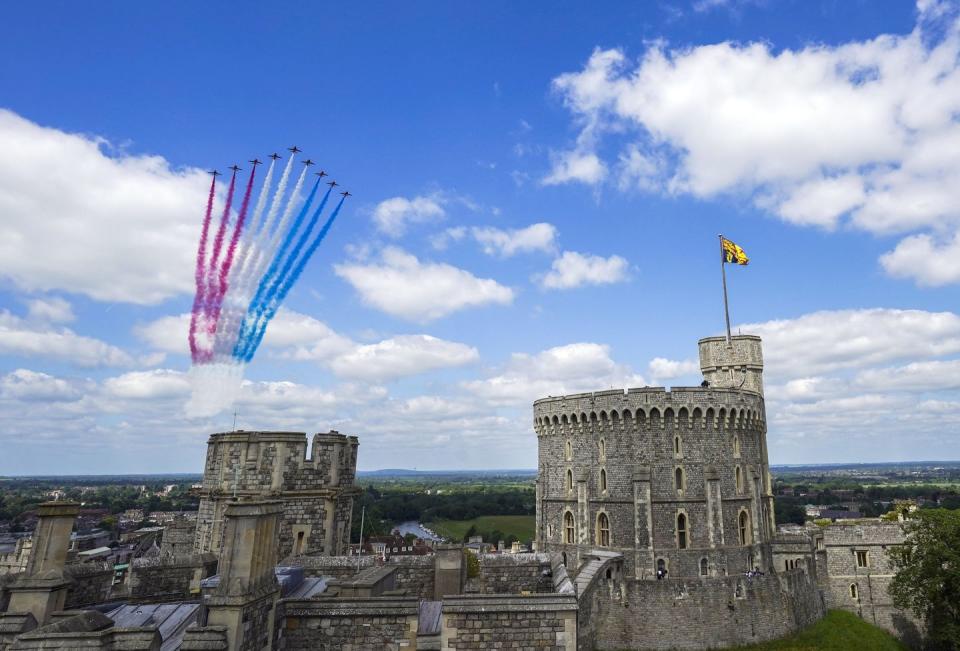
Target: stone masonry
(317, 490)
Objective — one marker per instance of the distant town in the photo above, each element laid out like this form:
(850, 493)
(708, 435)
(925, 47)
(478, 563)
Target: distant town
(405, 512)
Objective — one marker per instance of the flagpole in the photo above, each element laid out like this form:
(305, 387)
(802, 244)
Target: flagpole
(723, 273)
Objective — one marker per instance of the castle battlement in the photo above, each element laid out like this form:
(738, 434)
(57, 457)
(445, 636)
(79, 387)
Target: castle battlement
(316, 485)
(683, 406)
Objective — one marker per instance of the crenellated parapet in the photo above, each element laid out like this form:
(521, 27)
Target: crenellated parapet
(650, 407)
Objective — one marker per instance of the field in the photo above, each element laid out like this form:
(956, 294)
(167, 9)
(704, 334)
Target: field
(838, 631)
(520, 526)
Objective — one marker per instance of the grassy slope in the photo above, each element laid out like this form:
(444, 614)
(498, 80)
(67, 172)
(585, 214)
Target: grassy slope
(838, 631)
(520, 526)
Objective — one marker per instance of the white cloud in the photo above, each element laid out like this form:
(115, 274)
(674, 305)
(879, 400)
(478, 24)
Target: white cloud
(115, 228)
(300, 337)
(402, 356)
(442, 240)
(922, 258)
(403, 286)
(576, 165)
(22, 338)
(661, 368)
(505, 243)
(392, 216)
(827, 341)
(297, 335)
(146, 385)
(932, 375)
(556, 371)
(50, 310)
(574, 269)
(865, 133)
(31, 386)
(828, 376)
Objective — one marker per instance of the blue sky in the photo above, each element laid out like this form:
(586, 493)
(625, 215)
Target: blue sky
(538, 190)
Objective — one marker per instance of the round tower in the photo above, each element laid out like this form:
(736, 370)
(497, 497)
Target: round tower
(677, 481)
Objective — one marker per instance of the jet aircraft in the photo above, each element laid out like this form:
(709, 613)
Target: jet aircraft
(308, 162)
(275, 156)
(294, 149)
(333, 184)
(255, 162)
(321, 174)
(215, 173)
(346, 194)
(235, 168)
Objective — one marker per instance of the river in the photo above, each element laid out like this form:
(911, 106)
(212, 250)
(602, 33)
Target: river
(417, 530)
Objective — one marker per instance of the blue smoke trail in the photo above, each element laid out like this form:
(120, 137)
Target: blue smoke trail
(278, 279)
(291, 280)
(266, 281)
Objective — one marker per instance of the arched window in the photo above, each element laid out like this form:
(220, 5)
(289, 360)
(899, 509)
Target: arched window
(739, 478)
(299, 544)
(568, 450)
(854, 592)
(681, 531)
(569, 480)
(744, 528)
(678, 479)
(602, 448)
(568, 528)
(677, 446)
(603, 530)
(736, 446)
(704, 567)
(603, 480)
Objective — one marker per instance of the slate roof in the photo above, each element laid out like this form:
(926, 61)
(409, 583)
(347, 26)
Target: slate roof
(172, 619)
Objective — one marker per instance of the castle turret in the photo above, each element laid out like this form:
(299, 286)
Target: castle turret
(677, 481)
(737, 364)
(316, 487)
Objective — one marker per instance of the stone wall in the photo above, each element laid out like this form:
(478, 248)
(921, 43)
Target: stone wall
(317, 489)
(515, 573)
(161, 579)
(178, 537)
(383, 623)
(337, 567)
(92, 583)
(863, 590)
(415, 574)
(483, 622)
(706, 613)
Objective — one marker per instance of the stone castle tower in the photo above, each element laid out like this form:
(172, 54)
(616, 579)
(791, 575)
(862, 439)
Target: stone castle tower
(316, 490)
(674, 480)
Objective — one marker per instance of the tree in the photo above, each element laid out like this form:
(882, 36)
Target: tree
(928, 574)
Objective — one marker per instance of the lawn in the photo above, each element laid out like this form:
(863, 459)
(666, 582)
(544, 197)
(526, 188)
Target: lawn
(838, 631)
(520, 526)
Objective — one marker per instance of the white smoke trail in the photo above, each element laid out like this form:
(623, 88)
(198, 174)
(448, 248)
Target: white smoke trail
(233, 305)
(242, 292)
(213, 388)
(266, 255)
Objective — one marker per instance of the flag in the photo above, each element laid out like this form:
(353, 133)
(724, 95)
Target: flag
(732, 253)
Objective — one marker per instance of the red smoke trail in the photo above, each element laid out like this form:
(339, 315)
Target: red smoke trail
(211, 275)
(217, 303)
(199, 274)
(218, 242)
